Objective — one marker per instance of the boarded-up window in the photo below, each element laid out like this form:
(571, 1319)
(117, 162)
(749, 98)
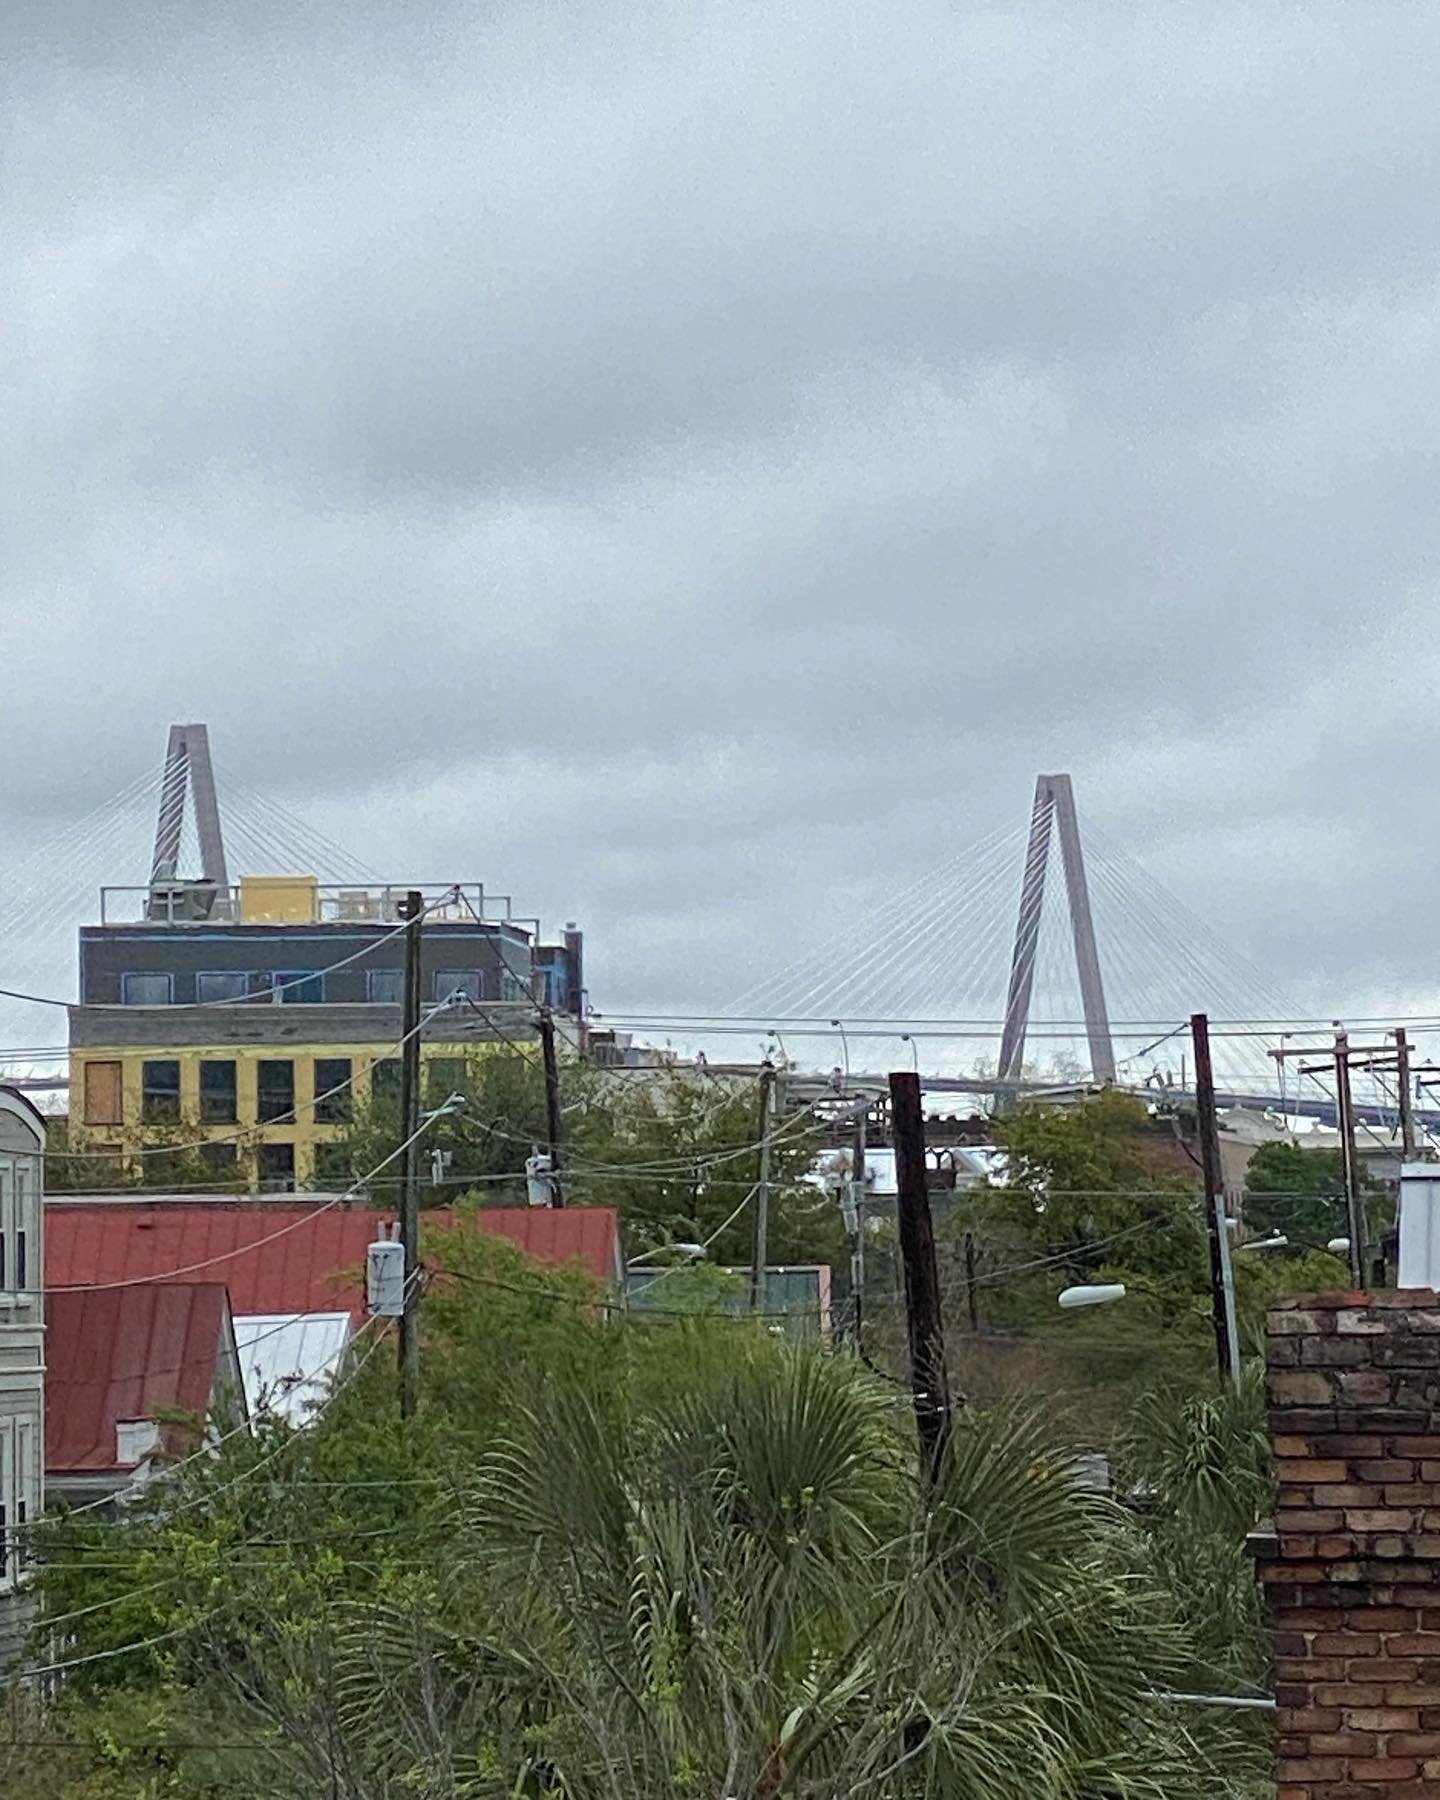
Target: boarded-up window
(103, 1100)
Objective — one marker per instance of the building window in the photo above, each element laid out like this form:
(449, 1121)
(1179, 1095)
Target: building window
(332, 1166)
(277, 1168)
(276, 1091)
(19, 1483)
(467, 982)
(297, 987)
(160, 1092)
(217, 1093)
(26, 1220)
(334, 1095)
(221, 984)
(385, 1080)
(221, 1162)
(104, 1094)
(385, 987)
(19, 1220)
(146, 990)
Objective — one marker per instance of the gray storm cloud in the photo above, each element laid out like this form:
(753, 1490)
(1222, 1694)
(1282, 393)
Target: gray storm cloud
(691, 465)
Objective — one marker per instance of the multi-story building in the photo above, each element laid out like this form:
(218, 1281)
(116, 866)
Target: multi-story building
(22, 1340)
(251, 1020)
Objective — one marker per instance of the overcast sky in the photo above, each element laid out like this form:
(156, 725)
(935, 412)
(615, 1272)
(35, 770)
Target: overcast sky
(690, 465)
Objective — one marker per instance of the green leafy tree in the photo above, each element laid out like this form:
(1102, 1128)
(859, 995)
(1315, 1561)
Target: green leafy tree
(170, 1160)
(1084, 1189)
(1301, 1193)
(674, 1150)
(615, 1560)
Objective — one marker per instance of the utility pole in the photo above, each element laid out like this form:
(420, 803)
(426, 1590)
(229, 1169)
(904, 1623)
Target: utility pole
(1342, 1057)
(552, 1102)
(929, 1381)
(413, 911)
(1406, 1094)
(1217, 1225)
(758, 1283)
(971, 1306)
(857, 1200)
(1354, 1205)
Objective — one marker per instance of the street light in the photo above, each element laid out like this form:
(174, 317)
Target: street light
(1092, 1294)
(686, 1253)
(1276, 1241)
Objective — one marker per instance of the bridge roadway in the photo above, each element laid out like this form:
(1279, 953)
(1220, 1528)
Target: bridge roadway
(1318, 1107)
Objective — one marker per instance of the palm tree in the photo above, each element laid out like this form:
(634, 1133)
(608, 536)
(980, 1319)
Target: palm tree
(739, 1587)
(749, 1592)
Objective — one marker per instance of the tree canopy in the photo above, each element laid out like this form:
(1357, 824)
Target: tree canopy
(617, 1558)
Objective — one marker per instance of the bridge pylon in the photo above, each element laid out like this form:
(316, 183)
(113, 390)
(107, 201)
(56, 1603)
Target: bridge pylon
(188, 771)
(1054, 814)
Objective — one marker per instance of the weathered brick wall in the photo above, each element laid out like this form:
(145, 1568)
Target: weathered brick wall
(1354, 1585)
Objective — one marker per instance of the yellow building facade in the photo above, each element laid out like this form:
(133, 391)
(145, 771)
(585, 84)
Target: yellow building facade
(247, 1025)
(235, 1106)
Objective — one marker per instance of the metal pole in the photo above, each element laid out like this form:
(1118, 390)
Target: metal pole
(857, 1195)
(1216, 1227)
(1354, 1205)
(1227, 1291)
(758, 1282)
(929, 1380)
(413, 910)
(1404, 1088)
(552, 1102)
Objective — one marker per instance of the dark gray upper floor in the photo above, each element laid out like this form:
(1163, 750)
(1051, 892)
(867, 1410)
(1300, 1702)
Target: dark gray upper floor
(322, 965)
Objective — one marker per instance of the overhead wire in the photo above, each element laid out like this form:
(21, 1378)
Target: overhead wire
(313, 1213)
(244, 1133)
(205, 1497)
(265, 996)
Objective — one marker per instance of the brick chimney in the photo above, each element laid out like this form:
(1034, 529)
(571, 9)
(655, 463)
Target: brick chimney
(1353, 1574)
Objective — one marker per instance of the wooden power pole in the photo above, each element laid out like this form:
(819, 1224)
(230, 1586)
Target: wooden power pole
(1354, 1204)
(1222, 1297)
(1405, 1094)
(413, 910)
(929, 1380)
(1342, 1058)
(552, 1102)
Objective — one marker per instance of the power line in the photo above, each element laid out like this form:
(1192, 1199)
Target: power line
(244, 1133)
(95, 1287)
(267, 996)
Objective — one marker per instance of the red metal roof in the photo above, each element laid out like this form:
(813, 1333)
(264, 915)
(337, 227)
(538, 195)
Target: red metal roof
(126, 1353)
(285, 1259)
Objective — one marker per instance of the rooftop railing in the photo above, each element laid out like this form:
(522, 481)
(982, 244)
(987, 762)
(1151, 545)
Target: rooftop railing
(274, 901)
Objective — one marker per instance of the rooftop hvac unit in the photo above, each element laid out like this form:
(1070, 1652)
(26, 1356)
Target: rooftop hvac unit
(187, 902)
(357, 904)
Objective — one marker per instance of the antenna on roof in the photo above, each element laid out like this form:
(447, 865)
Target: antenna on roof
(188, 769)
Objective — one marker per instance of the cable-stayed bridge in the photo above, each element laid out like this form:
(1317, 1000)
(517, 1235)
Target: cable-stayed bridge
(1037, 956)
